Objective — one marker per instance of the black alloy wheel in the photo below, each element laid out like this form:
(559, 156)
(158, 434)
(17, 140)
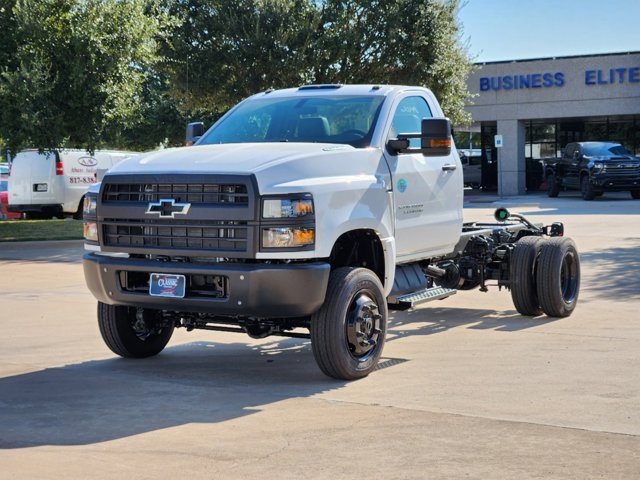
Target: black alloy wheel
(348, 331)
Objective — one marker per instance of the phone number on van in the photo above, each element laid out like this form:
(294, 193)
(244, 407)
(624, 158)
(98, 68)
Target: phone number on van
(82, 180)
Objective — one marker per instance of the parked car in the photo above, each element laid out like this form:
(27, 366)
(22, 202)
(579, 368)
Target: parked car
(53, 184)
(594, 168)
(471, 160)
(4, 214)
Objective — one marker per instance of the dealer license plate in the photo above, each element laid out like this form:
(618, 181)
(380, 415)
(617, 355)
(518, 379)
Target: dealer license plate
(167, 285)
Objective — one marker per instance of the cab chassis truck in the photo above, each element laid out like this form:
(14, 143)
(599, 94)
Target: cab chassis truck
(314, 209)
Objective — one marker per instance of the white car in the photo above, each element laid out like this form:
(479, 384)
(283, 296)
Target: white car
(53, 184)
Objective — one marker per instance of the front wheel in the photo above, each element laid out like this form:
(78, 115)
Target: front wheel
(586, 188)
(133, 332)
(348, 332)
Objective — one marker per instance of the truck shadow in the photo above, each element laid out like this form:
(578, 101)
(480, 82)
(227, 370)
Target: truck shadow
(198, 382)
(437, 320)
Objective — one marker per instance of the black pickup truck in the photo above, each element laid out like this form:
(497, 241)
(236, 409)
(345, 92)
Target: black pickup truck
(594, 168)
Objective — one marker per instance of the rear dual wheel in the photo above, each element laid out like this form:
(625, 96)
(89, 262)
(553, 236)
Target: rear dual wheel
(545, 276)
(523, 276)
(558, 277)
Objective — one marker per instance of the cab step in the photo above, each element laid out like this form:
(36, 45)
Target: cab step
(404, 302)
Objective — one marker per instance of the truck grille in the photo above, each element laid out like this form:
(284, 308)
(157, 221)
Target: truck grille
(213, 214)
(622, 169)
(209, 236)
(194, 193)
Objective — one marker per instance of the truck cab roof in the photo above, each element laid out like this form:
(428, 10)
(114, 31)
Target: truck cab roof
(337, 89)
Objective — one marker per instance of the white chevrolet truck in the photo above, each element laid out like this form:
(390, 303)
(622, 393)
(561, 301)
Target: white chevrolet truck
(307, 212)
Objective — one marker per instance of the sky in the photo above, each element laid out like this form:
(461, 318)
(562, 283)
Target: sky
(518, 29)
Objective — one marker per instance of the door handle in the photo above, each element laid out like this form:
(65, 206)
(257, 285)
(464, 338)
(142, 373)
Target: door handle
(447, 167)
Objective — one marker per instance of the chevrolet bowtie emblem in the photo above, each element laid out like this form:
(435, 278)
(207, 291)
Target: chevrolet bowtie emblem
(167, 208)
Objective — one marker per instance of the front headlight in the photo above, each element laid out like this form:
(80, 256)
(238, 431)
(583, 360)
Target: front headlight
(90, 226)
(89, 206)
(287, 207)
(598, 166)
(91, 231)
(287, 237)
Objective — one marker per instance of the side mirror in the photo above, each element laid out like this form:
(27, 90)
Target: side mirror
(436, 137)
(194, 131)
(397, 145)
(576, 155)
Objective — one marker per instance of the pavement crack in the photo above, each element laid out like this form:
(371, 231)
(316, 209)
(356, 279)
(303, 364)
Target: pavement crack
(480, 417)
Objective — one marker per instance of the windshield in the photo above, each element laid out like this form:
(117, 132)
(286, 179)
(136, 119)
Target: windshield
(3, 185)
(344, 120)
(604, 150)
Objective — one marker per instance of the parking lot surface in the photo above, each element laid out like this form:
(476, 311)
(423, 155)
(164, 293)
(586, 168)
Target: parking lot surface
(467, 387)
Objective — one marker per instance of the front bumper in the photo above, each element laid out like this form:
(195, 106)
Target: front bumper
(613, 183)
(254, 290)
(46, 208)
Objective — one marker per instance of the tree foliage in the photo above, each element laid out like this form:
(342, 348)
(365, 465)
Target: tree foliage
(402, 42)
(77, 70)
(130, 73)
(223, 51)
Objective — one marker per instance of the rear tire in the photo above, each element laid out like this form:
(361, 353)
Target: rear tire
(553, 188)
(635, 194)
(131, 335)
(522, 275)
(588, 192)
(348, 332)
(558, 277)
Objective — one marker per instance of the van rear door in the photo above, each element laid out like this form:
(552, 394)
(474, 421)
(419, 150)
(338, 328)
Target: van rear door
(32, 175)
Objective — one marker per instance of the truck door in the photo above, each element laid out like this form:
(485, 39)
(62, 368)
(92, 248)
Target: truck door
(569, 165)
(427, 191)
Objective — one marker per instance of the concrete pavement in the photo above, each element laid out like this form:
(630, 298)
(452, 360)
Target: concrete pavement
(467, 388)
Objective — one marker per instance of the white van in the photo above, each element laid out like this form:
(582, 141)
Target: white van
(44, 185)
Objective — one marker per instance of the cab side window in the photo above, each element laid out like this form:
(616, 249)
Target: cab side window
(408, 118)
(568, 153)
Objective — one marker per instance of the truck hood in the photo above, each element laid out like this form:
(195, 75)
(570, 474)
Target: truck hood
(240, 158)
(615, 159)
(277, 167)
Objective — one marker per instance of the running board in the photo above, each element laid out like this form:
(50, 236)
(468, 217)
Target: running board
(404, 302)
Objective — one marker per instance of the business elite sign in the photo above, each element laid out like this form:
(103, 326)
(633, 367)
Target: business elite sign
(610, 76)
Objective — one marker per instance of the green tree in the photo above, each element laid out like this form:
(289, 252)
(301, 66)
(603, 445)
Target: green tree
(77, 70)
(224, 51)
(407, 42)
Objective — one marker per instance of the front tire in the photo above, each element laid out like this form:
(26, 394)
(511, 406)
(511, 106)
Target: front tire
(588, 192)
(131, 332)
(348, 332)
(558, 277)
